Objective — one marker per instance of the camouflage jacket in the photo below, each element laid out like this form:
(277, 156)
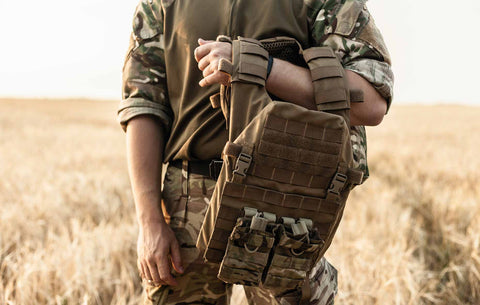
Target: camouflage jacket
(344, 25)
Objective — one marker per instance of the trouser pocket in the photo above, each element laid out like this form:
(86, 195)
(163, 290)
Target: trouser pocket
(248, 248)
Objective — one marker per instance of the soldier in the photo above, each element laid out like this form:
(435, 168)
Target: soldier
(170, 72)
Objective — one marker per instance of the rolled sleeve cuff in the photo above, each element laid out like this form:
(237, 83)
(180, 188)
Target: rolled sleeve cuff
(133, 107)
(378, 73)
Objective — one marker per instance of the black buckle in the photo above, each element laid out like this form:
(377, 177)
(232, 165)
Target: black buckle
(215, 167)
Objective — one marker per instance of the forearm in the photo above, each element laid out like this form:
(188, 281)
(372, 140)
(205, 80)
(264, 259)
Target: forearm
(294, 84)
(144, 157)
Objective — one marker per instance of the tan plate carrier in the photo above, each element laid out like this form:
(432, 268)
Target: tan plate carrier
(287, 170)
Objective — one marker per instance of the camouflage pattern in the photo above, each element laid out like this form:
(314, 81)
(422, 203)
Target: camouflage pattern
(344, 25)
(199, 284)
(144, 89)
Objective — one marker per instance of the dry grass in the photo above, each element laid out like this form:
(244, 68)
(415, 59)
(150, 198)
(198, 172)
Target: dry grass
(410, 235)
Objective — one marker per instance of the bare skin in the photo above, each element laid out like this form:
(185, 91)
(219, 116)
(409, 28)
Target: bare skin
(291, 83)
(157, 248)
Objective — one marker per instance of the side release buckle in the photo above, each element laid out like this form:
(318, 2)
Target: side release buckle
(337, 184)
(242, 165)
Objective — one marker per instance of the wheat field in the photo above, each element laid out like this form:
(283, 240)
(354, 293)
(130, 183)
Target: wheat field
(410, 234)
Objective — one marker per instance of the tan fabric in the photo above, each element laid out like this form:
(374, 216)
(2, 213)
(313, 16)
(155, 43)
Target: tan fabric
(161, 76)
(198, 131)
(293, 223)
(199, 284)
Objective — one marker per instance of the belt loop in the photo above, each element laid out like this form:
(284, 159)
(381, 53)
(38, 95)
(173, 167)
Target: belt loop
(185, 178)
(182, 205)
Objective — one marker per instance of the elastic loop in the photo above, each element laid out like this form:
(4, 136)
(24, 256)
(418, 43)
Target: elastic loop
(250, 251)
(270, 65)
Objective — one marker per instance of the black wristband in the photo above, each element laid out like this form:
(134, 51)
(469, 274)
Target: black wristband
(270, 64)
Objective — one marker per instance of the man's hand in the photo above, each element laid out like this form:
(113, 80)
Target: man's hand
(156, 247)
(207, 55)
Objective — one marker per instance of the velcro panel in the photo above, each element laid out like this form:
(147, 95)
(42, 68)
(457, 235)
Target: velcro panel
(248, 48)
(318, 52)
(326, 72)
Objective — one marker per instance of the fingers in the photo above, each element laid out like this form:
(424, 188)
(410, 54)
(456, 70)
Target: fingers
(204, 48)
(203, 63)
(152, 270)
(157, 271)
(215, 78)
(163, 269)
(176, 257)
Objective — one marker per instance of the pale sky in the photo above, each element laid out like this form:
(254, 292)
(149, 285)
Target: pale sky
(64, 48)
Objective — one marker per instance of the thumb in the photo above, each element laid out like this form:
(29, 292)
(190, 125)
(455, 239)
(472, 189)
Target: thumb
(203, 41)
(176, 258)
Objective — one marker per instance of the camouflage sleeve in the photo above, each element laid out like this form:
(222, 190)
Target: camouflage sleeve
(348, 28)
(144, 88)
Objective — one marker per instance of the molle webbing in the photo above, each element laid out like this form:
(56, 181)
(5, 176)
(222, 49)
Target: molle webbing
(253, 58)
(328, 76)
(280, 159)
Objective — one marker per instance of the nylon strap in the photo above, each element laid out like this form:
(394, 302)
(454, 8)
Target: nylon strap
(224, 65)
(356, 96)
(215, 100)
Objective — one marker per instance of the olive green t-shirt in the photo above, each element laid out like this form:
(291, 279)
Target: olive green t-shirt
(161, 76)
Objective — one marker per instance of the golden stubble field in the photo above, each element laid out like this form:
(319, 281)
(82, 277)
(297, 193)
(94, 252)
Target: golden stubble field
(410, 235)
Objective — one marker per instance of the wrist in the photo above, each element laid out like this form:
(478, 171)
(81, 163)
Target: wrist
(150, 222)
(269, 65)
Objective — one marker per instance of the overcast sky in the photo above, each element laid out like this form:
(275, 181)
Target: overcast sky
(64, 48)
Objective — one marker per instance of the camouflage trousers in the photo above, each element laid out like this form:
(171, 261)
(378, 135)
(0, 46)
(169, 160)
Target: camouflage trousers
(185, 198)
